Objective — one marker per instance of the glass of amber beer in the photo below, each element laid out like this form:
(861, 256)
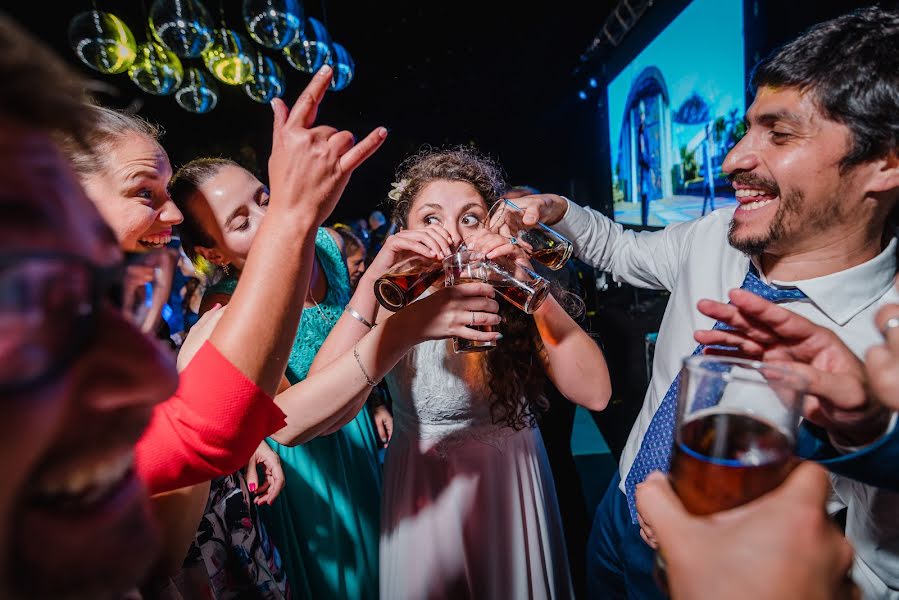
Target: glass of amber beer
(542, 243)
(406, 281)
(735, 432)
(468, 266)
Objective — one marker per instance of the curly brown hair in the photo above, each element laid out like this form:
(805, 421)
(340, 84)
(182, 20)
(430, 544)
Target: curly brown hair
(513, 401)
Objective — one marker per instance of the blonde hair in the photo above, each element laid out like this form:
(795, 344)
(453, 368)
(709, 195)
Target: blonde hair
(108, 127)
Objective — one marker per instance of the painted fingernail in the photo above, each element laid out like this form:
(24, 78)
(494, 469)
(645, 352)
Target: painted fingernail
(252, 487)
(499, 336)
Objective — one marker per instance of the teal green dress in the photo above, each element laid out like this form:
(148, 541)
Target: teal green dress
(325, 523)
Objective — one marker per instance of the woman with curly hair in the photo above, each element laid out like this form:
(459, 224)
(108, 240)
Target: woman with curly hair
(468, 506)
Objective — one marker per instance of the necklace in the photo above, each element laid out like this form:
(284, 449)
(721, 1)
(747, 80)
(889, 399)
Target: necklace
(321, 311)
(316, 271)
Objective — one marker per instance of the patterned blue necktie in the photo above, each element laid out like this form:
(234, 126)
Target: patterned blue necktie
(655, 450)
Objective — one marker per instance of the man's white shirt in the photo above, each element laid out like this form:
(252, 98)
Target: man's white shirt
(693, 261)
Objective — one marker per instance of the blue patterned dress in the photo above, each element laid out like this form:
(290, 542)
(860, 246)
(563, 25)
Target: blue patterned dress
(325, 523)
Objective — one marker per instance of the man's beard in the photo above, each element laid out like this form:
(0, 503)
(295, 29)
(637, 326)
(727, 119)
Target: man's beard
(823, 217)
(789, 203)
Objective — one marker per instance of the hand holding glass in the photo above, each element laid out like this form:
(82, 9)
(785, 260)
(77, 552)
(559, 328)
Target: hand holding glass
(468, 267)
(735, 432)
(541, 242)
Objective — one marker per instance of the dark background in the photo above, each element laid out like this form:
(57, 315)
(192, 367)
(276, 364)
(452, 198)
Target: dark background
(498, 75)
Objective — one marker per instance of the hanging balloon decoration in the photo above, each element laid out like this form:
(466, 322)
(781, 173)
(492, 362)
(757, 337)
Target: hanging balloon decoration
(273, 23)
(344, 67)
(267, 81)
(102, 41)
(311, 50)
(183, 26)
(156, 70)
(197, 94)
(230, 57)
(184, 29)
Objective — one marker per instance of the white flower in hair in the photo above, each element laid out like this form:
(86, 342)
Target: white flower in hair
(397, 189)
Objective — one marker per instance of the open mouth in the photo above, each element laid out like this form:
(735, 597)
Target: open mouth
(86, 486)
(754, 199)
(156, 240)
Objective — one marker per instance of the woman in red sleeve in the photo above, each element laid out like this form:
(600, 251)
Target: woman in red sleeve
(223, 407)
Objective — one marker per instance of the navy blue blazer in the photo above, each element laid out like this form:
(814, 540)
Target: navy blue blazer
(876, 465)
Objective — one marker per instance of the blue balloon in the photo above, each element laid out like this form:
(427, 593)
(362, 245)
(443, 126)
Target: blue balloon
(273, 23)
(267, 82)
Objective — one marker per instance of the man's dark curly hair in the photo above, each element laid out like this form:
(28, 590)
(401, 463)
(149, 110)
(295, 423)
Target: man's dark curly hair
(850, 65)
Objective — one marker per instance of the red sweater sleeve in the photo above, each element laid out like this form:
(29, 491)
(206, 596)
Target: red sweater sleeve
(209, 428)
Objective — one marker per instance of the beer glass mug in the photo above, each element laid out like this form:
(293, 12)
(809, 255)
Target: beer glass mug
(735, 432)
(406, 281)
(541, 242)
(468, 266)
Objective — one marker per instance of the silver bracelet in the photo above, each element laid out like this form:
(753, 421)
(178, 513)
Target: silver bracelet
(358, 317)
(361, 368)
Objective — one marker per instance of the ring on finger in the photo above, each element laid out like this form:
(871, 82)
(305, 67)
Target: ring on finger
(891, 323)
(472, 319)
(513, 240)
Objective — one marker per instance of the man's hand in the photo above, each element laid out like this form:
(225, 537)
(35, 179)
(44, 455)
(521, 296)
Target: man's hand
(545, 208)
(838, 398)
(781, 546)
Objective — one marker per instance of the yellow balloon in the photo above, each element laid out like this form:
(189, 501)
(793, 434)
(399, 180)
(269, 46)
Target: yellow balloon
(229, 58)
(102, 41)
(156, 70)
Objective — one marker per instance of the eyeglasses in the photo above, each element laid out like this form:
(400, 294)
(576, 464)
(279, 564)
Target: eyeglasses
(49, 303)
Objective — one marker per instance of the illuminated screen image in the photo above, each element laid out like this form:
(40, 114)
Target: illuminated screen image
(674, 113)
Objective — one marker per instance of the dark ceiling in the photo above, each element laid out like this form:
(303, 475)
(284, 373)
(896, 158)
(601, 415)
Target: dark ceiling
(499, 75)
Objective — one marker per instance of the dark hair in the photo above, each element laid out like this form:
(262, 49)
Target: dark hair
(851, 66)
(38, 89)
(182, 188)
(351, 242)
(517, 401)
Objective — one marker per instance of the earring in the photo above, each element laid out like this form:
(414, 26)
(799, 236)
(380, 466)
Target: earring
(227, 270)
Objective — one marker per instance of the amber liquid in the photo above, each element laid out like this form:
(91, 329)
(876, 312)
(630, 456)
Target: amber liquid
(548, 251)
(520, 297)
(461, 345)
(724, 460)
(396, 290)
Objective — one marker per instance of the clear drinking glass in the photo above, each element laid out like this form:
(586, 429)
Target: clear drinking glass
(468, 266)
(542, 243)
(518, 284)
(146, 284)
(735, 432)
(406, 281)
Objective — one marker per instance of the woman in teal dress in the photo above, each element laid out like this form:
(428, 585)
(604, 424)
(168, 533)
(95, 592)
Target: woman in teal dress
(325, 522)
